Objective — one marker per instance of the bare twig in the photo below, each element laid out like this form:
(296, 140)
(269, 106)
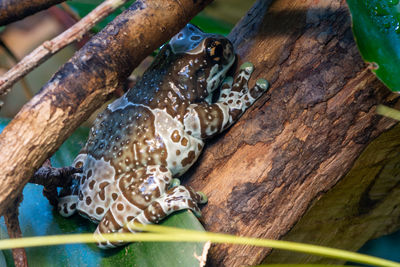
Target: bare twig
(49, 48)
(13, 10)
(24, 83)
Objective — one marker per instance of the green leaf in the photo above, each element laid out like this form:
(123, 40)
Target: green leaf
(376, 27)
(37, 218)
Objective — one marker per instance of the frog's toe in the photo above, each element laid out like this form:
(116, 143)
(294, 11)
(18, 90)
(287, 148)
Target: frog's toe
(202, 197)
(247, 67)
(174, 182)
(227, 83)
(263, 84)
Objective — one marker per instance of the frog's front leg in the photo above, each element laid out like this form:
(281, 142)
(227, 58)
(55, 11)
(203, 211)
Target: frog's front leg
(204, 120)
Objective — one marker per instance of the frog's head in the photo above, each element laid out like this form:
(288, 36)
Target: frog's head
(198, 62)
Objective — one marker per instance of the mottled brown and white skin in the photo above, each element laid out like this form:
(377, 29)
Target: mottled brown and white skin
(155, 132)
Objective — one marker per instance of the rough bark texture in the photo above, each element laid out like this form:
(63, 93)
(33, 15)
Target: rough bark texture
(82, 85)
(13, 10)
(300, 139)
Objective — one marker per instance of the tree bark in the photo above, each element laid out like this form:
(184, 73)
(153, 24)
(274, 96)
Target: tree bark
(13, 10)
(82, 85)
(300, 140)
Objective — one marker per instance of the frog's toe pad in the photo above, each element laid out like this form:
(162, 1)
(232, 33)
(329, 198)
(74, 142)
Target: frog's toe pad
(247, 66)
(263, 84)
(203, 198)
(174, 183)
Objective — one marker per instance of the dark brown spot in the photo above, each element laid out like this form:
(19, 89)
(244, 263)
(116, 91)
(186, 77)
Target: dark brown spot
(79, 164)
(184, 141)
(88, 200)
(102, 193)
(73, 206)
(163, 169)
(223, 95)
(130, 218)
(175, 207)
(99, 210)
(199, 146)
(189, 159)
(80, 195)
(83, 179)
(230, 101)
(89, 174)
(114, 196)
(246, 97)
(178, 152)
(175, 137)
(120, 206)
(91, 184)
(65, 208)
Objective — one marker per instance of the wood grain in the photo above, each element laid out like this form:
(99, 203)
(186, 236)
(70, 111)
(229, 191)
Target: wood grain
(300, 139)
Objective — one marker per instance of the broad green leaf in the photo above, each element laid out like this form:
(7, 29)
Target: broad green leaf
(37, 218)
(376, 27)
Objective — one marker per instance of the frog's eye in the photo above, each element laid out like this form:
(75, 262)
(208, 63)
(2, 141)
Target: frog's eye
(215, 50)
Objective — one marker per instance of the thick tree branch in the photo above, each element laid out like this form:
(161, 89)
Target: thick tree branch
(82, 85)
(13, 10)
(301, 138)
(49, 48)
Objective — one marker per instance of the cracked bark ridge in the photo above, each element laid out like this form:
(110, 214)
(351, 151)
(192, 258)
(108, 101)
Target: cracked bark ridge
(297, 141)
(82, 85)
(13, 10)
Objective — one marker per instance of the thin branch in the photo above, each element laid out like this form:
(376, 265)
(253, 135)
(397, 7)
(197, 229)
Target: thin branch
(13, 10)
(25, 87)
(49, 48)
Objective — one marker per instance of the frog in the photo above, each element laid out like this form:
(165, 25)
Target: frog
(143, 141)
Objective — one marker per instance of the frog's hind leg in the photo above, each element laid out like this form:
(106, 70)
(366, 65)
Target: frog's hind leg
(137, 191)
(176, 198)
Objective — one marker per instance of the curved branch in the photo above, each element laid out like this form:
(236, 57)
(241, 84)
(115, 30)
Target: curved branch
(13, 10)
(82, 85)
(49, 48)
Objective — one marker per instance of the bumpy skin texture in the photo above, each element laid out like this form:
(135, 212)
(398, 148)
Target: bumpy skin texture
(156, 131)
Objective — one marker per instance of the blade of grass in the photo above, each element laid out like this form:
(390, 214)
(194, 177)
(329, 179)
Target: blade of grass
(388, 112)
(170, 234)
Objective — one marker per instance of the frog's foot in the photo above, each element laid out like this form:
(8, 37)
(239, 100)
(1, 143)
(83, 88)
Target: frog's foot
(204, 120)
(176, 198)
(237, 94)
(68, 199)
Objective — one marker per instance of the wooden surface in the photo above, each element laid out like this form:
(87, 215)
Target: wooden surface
(13, 10)
(300, 139)
(82, 85)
